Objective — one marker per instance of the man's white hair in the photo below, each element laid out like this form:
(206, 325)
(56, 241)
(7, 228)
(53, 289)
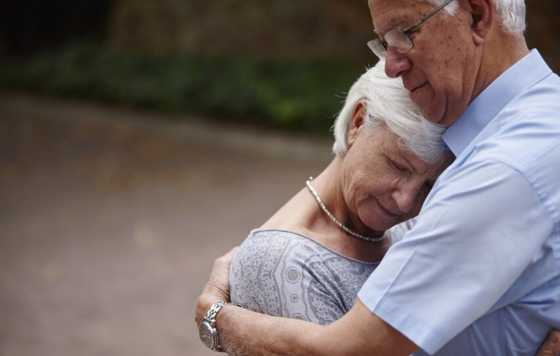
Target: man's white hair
(511, 12)
(386, 101)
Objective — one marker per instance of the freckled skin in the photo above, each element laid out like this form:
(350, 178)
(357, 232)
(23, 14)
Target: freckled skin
(449, 69)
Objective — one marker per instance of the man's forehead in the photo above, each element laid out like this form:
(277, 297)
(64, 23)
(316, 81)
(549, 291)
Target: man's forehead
(388, 14)
(395, 3)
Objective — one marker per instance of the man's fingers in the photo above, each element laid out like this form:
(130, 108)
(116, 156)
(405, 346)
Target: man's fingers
(551, 346)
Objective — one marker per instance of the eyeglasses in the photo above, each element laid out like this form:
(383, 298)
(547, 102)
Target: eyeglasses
(400, 39)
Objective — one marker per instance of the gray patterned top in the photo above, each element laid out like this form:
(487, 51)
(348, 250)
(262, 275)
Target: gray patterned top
(282, 273)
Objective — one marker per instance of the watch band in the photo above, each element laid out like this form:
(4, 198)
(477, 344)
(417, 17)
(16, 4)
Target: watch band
(210, 317)
(213, 311)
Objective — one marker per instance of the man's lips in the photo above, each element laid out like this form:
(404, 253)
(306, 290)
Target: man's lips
(413, 87)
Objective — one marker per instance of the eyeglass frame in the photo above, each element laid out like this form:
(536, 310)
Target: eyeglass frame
(379, 46)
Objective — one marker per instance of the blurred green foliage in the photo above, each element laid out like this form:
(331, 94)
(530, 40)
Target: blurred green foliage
(278, 64)
(289, 94)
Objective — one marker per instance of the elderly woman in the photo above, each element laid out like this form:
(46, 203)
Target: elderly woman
(309, 260)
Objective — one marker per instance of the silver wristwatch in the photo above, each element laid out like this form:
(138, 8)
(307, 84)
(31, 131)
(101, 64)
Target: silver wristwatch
(207, 330)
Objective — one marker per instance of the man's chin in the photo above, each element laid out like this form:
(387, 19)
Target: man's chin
(432, 108)
(433, 112)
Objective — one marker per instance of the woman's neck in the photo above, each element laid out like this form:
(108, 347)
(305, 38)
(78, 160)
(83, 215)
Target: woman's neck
(328, 187)
(302, 214)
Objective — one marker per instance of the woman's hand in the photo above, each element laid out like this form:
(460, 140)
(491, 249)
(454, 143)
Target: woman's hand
(551, 346)
(217, 287)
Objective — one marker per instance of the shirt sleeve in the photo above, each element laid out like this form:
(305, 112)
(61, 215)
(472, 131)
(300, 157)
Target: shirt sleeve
(473, 239)
(397, 232)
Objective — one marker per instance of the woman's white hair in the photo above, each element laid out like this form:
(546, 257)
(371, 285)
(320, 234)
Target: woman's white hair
(386, 101)
(511, 12)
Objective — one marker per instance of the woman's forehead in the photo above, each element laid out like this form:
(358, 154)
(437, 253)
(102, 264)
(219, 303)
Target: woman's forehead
(388, 143)
(419, 165)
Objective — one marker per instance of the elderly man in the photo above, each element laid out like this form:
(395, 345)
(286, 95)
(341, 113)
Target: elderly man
(479, 274)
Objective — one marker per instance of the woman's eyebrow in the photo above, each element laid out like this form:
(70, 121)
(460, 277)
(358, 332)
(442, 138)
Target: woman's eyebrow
(398, 159)
(411, 166)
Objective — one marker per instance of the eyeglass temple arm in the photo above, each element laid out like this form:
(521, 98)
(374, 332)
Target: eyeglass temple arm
(429, 16)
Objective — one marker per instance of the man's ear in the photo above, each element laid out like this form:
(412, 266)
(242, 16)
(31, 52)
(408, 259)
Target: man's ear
(483, 15)
(356, 123)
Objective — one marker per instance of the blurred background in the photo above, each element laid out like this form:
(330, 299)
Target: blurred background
(139, 140)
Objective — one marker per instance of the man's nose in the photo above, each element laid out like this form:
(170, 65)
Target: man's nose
(396, 64)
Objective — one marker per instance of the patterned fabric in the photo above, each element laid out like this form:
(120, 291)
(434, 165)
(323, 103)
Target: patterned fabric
(282, 273)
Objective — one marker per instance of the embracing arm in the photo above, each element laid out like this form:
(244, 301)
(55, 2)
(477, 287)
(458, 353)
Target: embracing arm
(243, 332)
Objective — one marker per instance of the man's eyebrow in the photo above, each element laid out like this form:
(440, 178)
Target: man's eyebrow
(401, 22)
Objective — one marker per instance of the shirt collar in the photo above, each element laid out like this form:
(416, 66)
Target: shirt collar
(523, 74)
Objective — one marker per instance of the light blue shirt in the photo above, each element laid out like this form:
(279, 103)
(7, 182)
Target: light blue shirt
(479, 274)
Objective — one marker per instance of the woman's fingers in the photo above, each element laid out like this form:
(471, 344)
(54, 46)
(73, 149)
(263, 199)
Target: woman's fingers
(217, 287)
(219, 276)
(551, 346)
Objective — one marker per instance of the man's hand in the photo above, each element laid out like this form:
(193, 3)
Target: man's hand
(217, 287)
(551, 346)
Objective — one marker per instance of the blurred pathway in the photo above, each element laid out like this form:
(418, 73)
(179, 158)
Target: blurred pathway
(110, 221)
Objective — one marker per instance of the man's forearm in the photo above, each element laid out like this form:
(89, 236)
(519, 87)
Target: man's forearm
(359, 332)
(244, 333)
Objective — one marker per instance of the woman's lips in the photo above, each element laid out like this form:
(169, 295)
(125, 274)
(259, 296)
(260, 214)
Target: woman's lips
(373, 214)
(387, 211)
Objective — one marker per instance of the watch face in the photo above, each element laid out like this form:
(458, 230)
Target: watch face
(206, 333)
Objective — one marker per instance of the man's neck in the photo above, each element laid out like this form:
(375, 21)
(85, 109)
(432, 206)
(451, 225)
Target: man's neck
(501, 52)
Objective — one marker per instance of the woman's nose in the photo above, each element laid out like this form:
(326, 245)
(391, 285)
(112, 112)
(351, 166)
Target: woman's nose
(396, 64)
(405, 198)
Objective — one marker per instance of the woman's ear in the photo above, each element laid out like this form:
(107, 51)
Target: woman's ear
(356, 123)
(483, 15)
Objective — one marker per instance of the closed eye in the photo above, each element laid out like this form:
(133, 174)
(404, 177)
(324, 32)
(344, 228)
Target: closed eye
(397, 166)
